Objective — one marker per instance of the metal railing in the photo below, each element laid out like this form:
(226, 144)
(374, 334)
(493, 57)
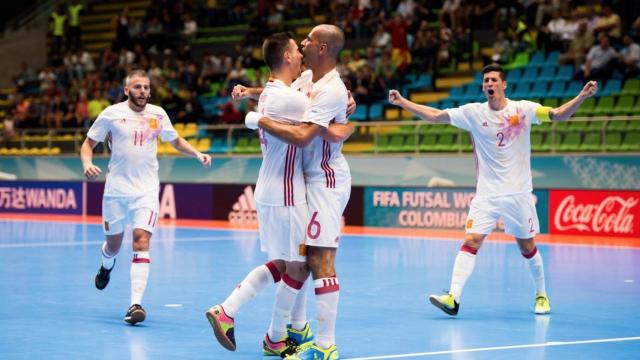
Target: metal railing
(367, 134)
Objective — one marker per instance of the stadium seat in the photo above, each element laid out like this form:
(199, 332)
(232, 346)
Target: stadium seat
(565, 73)
(595, 126)
(539, 89)
(550, 102)
(552, 59)
(570, 142)
(617, 125)
(396, 143)
(537, 60)
(548, 73)
(457, 93)
(410, 143)
(625, 105)
(536, 141)
(613, 141)
(631, 141)
(557, 89)
(612, 86)
(521, 91)
(530, 74)
(428, 142)
(513, 76)
(465, 142)
(605, 106)
(520, 60)
(203, 144)
(591, 142)
(544, 127)
(587, 108)
(631, 87)
(446, 142)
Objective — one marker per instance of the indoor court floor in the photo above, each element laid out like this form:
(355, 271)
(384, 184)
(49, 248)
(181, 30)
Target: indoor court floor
(51, 309)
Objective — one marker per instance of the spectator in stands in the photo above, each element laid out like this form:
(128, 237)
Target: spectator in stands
(578, 48)
(519, 35)
(97, 104)
(275, 18)
(386, 71)
(121, 27)
(482, 14)
(237, 75)
(47, 80)
(26, 80)
(598, 61)
(73, 33)
(174, 106)
(450, 12)
(501, 49)
(82, 111)
(629, 57)
(557, 34)
(58, 28)
(609, 23)
(367, 88)
(424, 49)
(189, 27)
(9, 122)
(381, 40)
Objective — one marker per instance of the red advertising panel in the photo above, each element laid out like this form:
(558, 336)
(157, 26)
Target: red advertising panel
(594, 212)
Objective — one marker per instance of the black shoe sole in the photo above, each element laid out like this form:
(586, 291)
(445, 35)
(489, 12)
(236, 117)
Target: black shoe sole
(441, 306)
(136, 316)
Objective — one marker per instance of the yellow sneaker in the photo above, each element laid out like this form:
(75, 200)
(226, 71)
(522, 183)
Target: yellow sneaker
(446, 303)
(542, 306)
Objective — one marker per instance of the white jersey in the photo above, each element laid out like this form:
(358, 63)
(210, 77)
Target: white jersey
(502, 144)
(132, 137)
(323, 162)
(281, 181)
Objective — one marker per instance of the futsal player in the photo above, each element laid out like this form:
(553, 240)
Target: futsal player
(131, 129)
(500, 131)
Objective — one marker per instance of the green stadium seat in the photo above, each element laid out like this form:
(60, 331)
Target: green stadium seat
(617, 125)
(396, 143)
(595, 126)
(633, 125)
(570, 142)
(520, 60)
(242, 145)
(631, 87)
(605, 106)
(382, 144)
(592, 142)
(407, 129)
(428, 142)
(564, 126)
(624, 105)
(550, 102)
(447, 142)
(537, 140)
(631, 141)
(613, 141)
(587, 107)
(465, 142)
(579, 125)
(410, 143)
(544, 127)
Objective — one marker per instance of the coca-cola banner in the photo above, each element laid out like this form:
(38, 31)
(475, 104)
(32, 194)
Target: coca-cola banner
(592, 212)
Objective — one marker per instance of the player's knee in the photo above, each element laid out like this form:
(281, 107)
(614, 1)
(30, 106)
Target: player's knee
(141, 240)
(473, 240)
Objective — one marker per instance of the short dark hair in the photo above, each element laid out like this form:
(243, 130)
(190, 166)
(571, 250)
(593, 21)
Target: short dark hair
(494, 67)
(274, 47)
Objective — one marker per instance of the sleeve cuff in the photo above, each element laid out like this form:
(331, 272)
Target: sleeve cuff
(544, 113)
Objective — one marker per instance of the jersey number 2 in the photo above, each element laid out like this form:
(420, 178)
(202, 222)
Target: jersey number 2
(500, 136)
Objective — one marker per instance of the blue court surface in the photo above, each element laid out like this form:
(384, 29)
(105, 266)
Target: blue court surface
(51, 309)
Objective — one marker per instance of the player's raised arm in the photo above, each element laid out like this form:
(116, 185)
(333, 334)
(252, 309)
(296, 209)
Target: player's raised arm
(299, 135)
(566, 110)
(184, 147)
(240, 92)
(91, 171)
(424, 112)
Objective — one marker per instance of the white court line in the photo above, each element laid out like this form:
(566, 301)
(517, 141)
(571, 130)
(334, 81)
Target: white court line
(495, 348)
(99, 242)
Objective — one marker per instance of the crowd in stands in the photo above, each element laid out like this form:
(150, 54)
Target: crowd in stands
(393, 38)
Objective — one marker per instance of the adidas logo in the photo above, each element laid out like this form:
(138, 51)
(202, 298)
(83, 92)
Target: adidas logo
(243, 212)
(485, 124)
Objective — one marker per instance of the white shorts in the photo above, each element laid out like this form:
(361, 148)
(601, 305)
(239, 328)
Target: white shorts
(140, 211)
(518, 212)
(281, 231)
(325, 214)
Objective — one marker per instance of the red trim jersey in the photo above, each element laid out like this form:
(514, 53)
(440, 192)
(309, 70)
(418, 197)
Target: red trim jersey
(280, 181)
(133, 140)
(323, 162)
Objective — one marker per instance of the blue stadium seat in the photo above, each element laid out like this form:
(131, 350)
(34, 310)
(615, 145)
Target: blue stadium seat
(565, 72)
(539, 89)
(537, 60)
(612, 87)
(552, 58)
(522, 91)
(557, 89)
(548, 73)
(530, 74)
(513, 76)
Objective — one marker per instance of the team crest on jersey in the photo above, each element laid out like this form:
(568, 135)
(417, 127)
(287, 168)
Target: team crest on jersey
(153, 123)
(513, 124)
